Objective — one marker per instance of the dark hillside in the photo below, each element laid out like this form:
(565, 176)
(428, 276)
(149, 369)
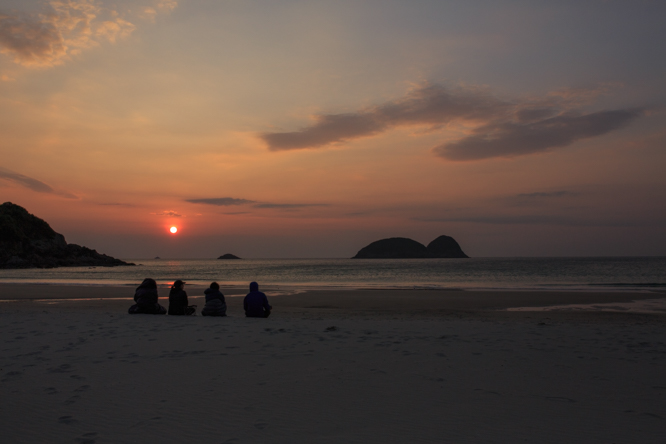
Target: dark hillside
(27, 241)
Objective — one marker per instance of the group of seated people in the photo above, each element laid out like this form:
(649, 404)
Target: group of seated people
(255, 303)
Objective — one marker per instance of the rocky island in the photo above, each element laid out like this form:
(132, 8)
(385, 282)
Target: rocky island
(404, 248)
(27, 241)
(228, 256)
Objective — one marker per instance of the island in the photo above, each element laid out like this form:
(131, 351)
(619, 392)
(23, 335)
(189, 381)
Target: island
(27, 241)
(228, 256)
(404, 248)
(445, 247)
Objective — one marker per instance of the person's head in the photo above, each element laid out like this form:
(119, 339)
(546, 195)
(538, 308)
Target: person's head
(178, 284)
(215, 286)
(254, 286)
(148, 283)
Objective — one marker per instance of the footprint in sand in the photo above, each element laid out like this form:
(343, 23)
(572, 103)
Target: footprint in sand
(87, 438)
(72, 400)
(67, 420)
(64, 368)
(490, 392)
(560, 398)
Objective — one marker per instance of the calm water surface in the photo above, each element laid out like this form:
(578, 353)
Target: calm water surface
(619, 274)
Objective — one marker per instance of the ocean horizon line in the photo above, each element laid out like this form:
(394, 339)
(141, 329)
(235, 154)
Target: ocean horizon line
(388, 259)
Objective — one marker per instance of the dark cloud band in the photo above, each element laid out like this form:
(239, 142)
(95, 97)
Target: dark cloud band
(230, 201)
(501, 128)
(25, 181)
(535, 219)
(221, 201)
(430, 105)
(516, 139)
(287, 206)
(546, 195)
(32, 184)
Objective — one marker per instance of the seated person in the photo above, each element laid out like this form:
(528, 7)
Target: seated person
(178, 300)
(215, 304)
(146, 297)
(256, 303)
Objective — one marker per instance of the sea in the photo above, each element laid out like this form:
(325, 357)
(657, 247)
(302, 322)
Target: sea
(628, 274)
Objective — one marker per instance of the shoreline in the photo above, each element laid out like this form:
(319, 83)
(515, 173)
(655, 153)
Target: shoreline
(565, 288)
(347, 302)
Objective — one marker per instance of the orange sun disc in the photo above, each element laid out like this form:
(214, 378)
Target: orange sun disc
(173, 230)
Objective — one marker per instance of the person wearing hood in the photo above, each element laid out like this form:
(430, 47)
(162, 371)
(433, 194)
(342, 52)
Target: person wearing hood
(215, 304)
(256, 303)
(178, 300)
(146, 298)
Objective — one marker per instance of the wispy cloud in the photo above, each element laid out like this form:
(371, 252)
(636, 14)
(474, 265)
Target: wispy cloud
(169, 213)
(231, 201)
(428, 105)
(511, 139)
(541, 198)
(547, 194)
(534, 219)
(288, 206)
(221, 201)
(64, 28)
(32, 184)
(114, 204)
(158, 6)
(500, 128)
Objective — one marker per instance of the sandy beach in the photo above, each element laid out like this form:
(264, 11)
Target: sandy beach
(333, 366)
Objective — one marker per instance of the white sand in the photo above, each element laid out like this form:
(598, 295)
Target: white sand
(86, 372)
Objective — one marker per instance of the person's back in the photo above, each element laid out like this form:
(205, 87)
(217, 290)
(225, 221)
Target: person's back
(256, 303)
(178, 300)
(215, 303)
(146, 299)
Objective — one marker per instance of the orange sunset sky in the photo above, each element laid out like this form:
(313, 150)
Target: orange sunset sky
(288, 129)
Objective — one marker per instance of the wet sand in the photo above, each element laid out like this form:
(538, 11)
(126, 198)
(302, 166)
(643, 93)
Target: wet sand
(332, 366)
(388, 302)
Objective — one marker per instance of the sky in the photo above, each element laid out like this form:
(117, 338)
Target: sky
(308, 129)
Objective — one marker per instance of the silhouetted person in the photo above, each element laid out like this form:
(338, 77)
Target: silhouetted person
(146, 297)
(256, 303)
(215, 304)
(178, 300)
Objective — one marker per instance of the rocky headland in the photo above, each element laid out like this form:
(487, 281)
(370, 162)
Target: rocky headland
(404, 248)
(228, 256)
(27, 241)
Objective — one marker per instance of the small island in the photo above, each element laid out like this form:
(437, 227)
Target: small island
(404, 248)
(27, 241)
(228, 256)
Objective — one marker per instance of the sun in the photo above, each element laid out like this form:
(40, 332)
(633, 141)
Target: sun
(173, 230)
